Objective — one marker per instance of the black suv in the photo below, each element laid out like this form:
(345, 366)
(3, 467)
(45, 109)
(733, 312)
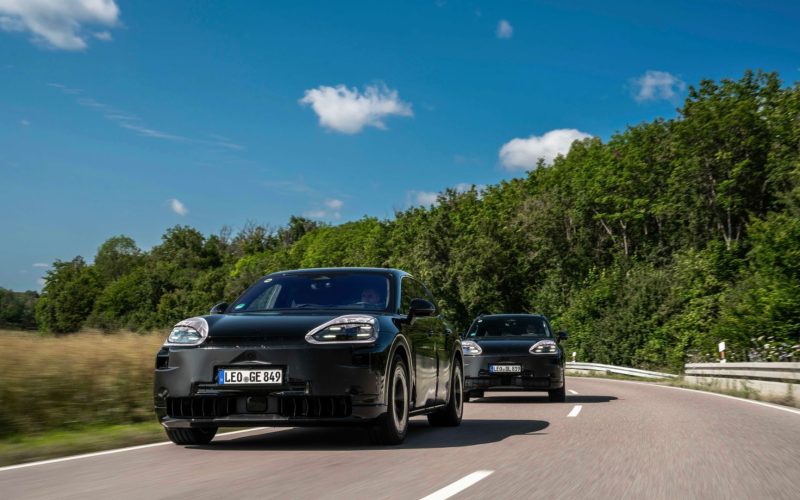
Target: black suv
(313, 347)
(513, 352)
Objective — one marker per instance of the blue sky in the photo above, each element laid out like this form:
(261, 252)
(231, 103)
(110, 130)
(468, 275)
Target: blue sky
(123, 117)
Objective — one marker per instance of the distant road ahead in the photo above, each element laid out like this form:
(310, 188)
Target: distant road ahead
(612, 439)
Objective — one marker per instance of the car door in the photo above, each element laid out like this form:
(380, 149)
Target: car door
(443, 346)
(421, 336)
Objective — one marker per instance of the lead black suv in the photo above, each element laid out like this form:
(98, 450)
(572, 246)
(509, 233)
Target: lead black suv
(312, 347)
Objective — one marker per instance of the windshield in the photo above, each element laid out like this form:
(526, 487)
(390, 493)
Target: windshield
(517, 326)
(316, 291)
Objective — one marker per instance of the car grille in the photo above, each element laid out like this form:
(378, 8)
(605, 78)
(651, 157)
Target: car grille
(315, 406)
(287, 406)
(201, 407)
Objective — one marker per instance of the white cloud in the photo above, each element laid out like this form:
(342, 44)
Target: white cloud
(103, 36)
(463, 187)
(332, 211)
(424, 198)
(41, 281)
(41, 265)
(348, 111)
(178, 207)
(657, 85)
(58, 24)
(334, 204)
(522, 154)
(24, 123)
(504, 29)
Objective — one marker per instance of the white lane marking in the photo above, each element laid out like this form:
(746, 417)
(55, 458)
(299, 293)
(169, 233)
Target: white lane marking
(575, 411)
(571, 391)
(460, 485)
(110, 452)
(751, 401)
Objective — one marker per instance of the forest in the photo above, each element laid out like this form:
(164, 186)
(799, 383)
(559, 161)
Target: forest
(649, 248)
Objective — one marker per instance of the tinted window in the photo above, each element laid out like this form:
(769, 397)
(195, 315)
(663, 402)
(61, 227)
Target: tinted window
(410, 290)
(316, 291)
(508, 326)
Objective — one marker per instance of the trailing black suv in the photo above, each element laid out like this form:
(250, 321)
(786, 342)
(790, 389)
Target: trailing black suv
(513, 352)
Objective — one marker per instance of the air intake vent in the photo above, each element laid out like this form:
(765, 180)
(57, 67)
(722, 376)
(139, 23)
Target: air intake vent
(208, 407)
(315, 406)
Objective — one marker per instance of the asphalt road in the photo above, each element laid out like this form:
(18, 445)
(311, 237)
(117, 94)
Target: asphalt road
(627, 440)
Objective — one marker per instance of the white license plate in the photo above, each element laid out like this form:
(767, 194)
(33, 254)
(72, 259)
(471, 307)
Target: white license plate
(505, 369)
(272, 376)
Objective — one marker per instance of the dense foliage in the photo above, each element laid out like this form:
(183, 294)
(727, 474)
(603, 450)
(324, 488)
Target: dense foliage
(649, 248)
(17, 309)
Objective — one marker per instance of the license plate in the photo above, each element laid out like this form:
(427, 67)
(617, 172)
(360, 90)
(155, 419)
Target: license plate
(271, 376)
(505, 369)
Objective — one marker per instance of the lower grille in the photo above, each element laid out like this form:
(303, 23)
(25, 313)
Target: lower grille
(315, 406)
(285, 405)
(211, 407)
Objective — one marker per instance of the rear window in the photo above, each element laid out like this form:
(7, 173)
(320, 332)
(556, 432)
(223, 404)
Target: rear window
(517, 326)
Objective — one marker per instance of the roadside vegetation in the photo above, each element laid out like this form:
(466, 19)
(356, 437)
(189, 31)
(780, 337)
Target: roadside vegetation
(76, 381)
(649, 248)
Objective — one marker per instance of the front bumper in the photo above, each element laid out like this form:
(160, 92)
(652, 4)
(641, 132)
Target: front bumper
(540, 372)
(322, 385)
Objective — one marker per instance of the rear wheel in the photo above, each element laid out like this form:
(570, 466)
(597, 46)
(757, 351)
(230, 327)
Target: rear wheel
(450, 416)
(192, 436)
(558, 395)
(391, 427)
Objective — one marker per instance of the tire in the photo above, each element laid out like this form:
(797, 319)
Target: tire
(558, 395)
(202, 435)
(391, 427)
(451, 415)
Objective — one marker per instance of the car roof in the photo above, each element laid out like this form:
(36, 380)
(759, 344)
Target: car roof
(365, 270)
(510, 315)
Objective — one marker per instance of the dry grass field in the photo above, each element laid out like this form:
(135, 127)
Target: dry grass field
(75, 381)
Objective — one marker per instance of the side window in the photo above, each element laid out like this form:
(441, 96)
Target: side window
(409, 290)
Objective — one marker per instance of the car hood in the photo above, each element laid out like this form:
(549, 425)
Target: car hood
(265, 326)
(506, 345)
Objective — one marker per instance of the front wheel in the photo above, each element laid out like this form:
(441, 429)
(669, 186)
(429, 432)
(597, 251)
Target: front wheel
(391, 427)
(450, 416)
(558, 395)
(202, 435)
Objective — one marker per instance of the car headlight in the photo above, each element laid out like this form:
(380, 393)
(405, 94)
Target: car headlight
(347, 329)
(544, 347)
(470, 348)
(192, 331)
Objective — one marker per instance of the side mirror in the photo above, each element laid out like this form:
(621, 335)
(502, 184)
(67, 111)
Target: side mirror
(562, 335)
(421, 307)
(219, 308)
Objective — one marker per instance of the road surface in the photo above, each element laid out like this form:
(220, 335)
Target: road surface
(611, 439)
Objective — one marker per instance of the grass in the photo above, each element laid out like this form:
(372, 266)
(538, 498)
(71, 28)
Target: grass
(21, 448)
(75, 381)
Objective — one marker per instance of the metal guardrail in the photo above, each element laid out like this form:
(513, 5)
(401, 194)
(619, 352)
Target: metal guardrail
(621, 370)
(758, 371)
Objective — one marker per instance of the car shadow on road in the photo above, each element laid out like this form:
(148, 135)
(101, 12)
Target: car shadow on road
(420, 435)
(542, 399)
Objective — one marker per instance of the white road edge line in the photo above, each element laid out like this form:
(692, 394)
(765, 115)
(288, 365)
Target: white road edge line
(572, 392)
(110, 452)
(577, 409)
(460, 485)
(751, 401)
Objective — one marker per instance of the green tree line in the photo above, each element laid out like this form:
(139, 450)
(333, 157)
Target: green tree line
(649, 248)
